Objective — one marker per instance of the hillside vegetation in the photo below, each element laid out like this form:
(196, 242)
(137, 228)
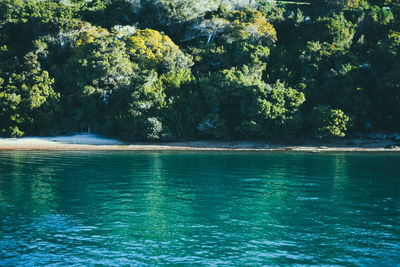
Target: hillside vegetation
(187, 69)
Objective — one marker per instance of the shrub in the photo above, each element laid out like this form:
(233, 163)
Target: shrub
(328, 122)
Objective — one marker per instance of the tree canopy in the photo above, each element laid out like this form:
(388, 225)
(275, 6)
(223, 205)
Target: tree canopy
(179, 69)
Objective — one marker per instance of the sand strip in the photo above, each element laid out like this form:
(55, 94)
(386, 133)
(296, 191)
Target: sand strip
(97, 142)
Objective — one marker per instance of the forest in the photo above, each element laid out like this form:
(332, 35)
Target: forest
(192, 69)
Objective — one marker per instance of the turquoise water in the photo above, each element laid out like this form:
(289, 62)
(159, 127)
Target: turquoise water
(131, 208)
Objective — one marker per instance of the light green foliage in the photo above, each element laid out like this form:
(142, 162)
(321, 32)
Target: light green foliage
(9, 118)
(329, 122)
(314, 58)
(251, 26)
(336, 30)
(391, 43)
(233, 38)
(280, 110)
(271, 11)
(172, 14)
(352, 3)
(166, 12)
(235, 26)
(315, 52)
(341, 4)
(380, 16)
(10, 10)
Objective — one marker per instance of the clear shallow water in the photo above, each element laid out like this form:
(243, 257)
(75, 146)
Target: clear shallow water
(116, 208)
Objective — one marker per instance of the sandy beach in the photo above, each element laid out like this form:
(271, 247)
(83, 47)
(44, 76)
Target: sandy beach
(97, 142)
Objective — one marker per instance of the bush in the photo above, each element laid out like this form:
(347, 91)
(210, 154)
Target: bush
(153, 128)
(328, 122)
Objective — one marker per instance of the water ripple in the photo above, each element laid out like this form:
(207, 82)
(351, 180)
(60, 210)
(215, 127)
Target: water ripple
(135, 208)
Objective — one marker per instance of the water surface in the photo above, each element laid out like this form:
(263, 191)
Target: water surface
(141, 208)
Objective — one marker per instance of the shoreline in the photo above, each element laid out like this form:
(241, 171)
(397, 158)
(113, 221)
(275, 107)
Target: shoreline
(96, 142)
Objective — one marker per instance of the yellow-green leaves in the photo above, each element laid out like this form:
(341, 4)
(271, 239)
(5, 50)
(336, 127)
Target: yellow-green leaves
(89, 33)
(255, 28)
(156, 51)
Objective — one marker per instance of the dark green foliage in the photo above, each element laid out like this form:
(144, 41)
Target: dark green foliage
(177, 69)
(335, 30)
(242, 105)
(28, 101)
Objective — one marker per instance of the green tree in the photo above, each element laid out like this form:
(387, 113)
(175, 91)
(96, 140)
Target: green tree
(336, 30)
(328, 122)
(98, 66)
(29, 103)
(242, 105)
(153, 50)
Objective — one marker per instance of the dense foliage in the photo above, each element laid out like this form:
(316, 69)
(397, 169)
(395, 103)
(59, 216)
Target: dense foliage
(173, 69)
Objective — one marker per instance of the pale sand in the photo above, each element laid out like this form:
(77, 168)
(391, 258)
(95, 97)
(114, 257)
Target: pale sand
(97, 142)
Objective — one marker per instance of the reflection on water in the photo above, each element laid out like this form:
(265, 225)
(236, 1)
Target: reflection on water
(116, 208)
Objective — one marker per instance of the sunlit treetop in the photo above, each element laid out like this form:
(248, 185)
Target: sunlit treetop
(89, 33)
(156, 50)
(239, 25)
(255, 28)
